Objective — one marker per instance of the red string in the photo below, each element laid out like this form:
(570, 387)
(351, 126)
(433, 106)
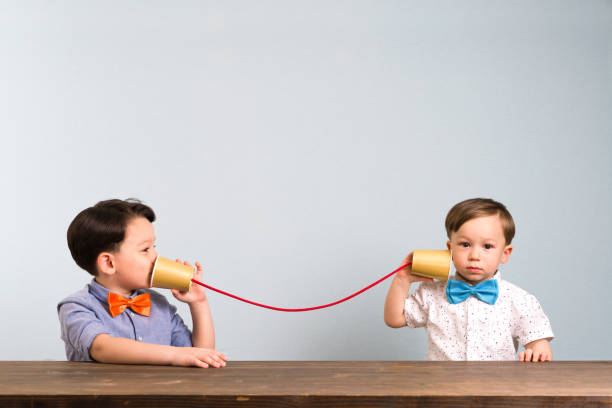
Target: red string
(282, 309)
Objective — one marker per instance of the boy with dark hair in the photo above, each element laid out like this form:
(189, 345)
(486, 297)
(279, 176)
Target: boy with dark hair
(116, 318)
(478, 316)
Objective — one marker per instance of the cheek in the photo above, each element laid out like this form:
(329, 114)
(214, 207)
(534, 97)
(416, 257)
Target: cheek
(458, 258)
(496, 258)
(147, 258)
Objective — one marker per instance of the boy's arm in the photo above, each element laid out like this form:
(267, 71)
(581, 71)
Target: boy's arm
(396, 298)
(533, 329)
(398, 291)
(203, 334)
(119, 350)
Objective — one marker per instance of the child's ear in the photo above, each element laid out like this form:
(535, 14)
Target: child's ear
(106, 263)
(507, 251)
(448, 244)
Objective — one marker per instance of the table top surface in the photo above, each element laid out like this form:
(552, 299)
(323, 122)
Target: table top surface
(303, 378)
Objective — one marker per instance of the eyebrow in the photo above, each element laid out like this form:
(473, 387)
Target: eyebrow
(146, 241)
(466, 238)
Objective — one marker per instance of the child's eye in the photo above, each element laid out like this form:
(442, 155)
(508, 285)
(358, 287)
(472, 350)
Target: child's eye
(464, 244)
(488, 246)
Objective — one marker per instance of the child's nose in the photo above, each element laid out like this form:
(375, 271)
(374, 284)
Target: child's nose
(474, 253)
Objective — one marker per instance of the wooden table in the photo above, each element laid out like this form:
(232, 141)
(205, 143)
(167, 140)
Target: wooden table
(309, 383)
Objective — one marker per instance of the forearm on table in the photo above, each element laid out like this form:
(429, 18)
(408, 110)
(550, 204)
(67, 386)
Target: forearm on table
(203, 334)
(107, 349)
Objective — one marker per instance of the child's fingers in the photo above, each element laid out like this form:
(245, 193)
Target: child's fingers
(530, 355)
(407, 260)
(183, 262)
(200, 363)
(179, 295)
(219, 358)
(211, 359)
(545, 356)
(218, 362)
(198, 266)
(198, 272)
(192, 359)
(521, 356)
(176, 293)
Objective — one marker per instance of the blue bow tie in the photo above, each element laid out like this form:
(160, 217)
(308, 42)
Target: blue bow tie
(457, 291)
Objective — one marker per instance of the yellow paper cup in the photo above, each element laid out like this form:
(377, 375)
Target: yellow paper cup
(432, 263)
(171, 275)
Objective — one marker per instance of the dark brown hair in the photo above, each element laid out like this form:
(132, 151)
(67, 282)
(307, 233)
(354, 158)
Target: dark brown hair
(101, 228)
(479, 207)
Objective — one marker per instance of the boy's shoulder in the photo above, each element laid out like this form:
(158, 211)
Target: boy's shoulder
(518, 296)
(80, 301)
(79, 296)
(433, 290)
(512, 288)
(433, 286)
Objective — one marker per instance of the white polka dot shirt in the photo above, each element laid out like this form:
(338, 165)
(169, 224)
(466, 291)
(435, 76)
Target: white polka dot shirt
(473, 329)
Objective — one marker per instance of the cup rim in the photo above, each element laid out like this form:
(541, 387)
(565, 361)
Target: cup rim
(153, 271)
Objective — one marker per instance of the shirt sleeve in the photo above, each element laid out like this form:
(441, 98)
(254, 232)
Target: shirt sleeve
(181, 335)
(416, 307)
(80, 326)
(531, 323)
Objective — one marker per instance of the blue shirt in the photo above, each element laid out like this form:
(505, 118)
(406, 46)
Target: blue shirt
(85, 314)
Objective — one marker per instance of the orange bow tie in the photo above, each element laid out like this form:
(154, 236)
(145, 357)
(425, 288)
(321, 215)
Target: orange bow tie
(117, 304)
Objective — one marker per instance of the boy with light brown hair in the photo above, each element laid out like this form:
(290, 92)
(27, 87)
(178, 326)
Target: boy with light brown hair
(477, 315)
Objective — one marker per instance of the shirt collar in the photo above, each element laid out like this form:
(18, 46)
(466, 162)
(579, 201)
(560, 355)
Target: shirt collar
(101, 293)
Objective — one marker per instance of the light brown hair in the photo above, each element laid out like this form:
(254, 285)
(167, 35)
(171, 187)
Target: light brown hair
(475, 208)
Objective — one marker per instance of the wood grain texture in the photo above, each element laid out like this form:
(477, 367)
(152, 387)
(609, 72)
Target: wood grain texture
(309, 383)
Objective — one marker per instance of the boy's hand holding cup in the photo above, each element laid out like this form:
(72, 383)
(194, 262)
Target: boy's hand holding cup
(195, 294)
(406, 272)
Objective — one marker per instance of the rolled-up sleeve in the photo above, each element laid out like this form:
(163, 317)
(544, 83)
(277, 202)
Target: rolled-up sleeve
(79, 326)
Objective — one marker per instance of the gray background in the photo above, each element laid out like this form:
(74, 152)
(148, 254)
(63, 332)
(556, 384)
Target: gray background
(300, 150)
